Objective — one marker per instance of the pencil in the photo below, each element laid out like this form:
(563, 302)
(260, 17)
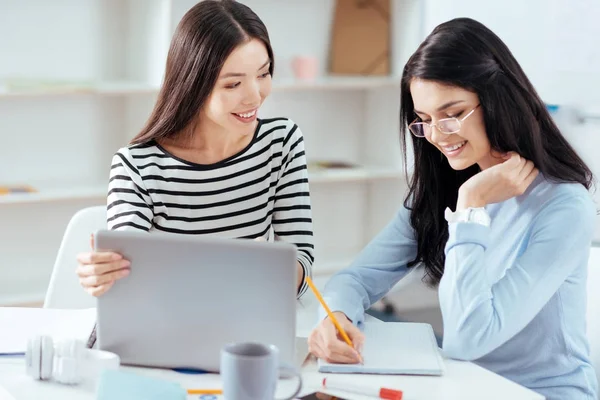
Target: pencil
(329, 313)
(205, 391)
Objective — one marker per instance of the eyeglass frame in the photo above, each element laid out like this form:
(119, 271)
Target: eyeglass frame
(460, 121)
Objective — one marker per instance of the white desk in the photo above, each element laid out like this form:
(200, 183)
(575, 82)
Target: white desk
(462, 380)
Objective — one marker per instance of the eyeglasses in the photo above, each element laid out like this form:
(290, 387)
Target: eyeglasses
(447, 126)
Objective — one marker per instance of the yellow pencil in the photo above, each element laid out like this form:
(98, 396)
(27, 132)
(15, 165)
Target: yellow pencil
(205, 391)
(329, 313)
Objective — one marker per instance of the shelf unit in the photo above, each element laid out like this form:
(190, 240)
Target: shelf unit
(58, 192)
(60, 138)
(41, 89)
(52, 193)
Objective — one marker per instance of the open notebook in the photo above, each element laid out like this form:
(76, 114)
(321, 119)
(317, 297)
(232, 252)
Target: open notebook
(395, 348)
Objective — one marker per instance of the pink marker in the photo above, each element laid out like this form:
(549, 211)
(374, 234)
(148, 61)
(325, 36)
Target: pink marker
(382, 393)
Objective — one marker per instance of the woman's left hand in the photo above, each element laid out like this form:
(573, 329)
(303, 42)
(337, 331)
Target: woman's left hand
(501, 182)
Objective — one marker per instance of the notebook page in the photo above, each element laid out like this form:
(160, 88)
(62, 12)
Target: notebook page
(395, 348)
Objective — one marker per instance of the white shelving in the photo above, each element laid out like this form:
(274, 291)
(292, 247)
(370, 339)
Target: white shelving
(354, 175)
(75, 191)
(337, 83)
(136, 88)
(73, 89)
(51, 194)
(79, 192)
(97, 80)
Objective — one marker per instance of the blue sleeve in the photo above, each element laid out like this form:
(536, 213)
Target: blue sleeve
(380, 265)
(480, 315)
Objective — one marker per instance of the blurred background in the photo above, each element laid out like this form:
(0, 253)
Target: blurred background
(78, 78)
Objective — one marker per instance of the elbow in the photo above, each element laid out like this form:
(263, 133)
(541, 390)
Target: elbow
(460, 351)
(472, 333)
(465, 346)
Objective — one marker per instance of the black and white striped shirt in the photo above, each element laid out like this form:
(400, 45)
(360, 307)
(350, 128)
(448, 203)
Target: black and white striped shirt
(262, 189)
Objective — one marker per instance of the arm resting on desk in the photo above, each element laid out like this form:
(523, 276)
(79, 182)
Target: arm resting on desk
(375, 271)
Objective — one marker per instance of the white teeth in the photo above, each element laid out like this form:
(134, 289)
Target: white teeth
(455, 147)
(247, 115)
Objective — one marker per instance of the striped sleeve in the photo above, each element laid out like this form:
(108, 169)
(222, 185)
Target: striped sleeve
(292, 219)
(129, 205)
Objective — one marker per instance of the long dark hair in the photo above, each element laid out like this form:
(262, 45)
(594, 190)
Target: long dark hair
(204, 38)
(464, 53)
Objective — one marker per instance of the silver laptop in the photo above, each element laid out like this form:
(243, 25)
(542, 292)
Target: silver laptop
(187, 296)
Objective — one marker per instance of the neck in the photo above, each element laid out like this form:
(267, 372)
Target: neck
(489, 161)
(215, 142)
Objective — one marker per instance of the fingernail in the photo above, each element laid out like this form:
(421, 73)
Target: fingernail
(125, 263)
(116, 256)
(125, 272)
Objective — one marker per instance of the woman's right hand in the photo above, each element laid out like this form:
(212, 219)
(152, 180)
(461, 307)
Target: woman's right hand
(503, 181)
(98, 271)
(326, 343)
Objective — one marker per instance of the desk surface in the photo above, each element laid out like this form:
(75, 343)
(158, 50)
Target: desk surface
(462, 380)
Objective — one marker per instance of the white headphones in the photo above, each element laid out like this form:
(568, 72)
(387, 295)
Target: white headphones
(67, 361)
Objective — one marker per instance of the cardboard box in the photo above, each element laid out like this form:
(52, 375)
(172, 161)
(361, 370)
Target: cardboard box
(360, 40)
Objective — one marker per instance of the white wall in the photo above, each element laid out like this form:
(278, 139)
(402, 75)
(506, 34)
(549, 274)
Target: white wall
(555, 41)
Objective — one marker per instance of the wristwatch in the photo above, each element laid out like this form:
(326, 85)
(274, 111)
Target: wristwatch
(473, 215)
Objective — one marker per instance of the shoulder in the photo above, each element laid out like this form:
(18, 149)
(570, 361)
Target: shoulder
(280, 128)
(563, 204)
(547, 194)
(132, 156)
(277, 122)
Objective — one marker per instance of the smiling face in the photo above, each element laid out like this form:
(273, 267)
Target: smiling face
(470, 145)
(243, 84)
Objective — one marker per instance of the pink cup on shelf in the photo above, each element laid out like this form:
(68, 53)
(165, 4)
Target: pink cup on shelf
(305, 67)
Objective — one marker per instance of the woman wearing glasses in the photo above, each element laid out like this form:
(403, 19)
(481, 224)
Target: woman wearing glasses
(498, 212)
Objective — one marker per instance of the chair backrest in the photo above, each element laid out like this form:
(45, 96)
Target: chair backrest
(64, 290)
(593, 307)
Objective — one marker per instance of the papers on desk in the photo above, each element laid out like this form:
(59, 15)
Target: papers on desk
(392, 348)
(18, 324)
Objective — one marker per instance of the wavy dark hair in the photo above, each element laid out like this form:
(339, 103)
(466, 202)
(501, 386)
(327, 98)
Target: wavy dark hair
(466, 54)
(203, 39)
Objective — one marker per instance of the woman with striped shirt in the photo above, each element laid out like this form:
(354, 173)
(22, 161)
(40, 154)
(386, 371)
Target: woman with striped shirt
(205, 164)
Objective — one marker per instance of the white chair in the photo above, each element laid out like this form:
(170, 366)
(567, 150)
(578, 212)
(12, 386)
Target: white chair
(64, 290)
(593, 307)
